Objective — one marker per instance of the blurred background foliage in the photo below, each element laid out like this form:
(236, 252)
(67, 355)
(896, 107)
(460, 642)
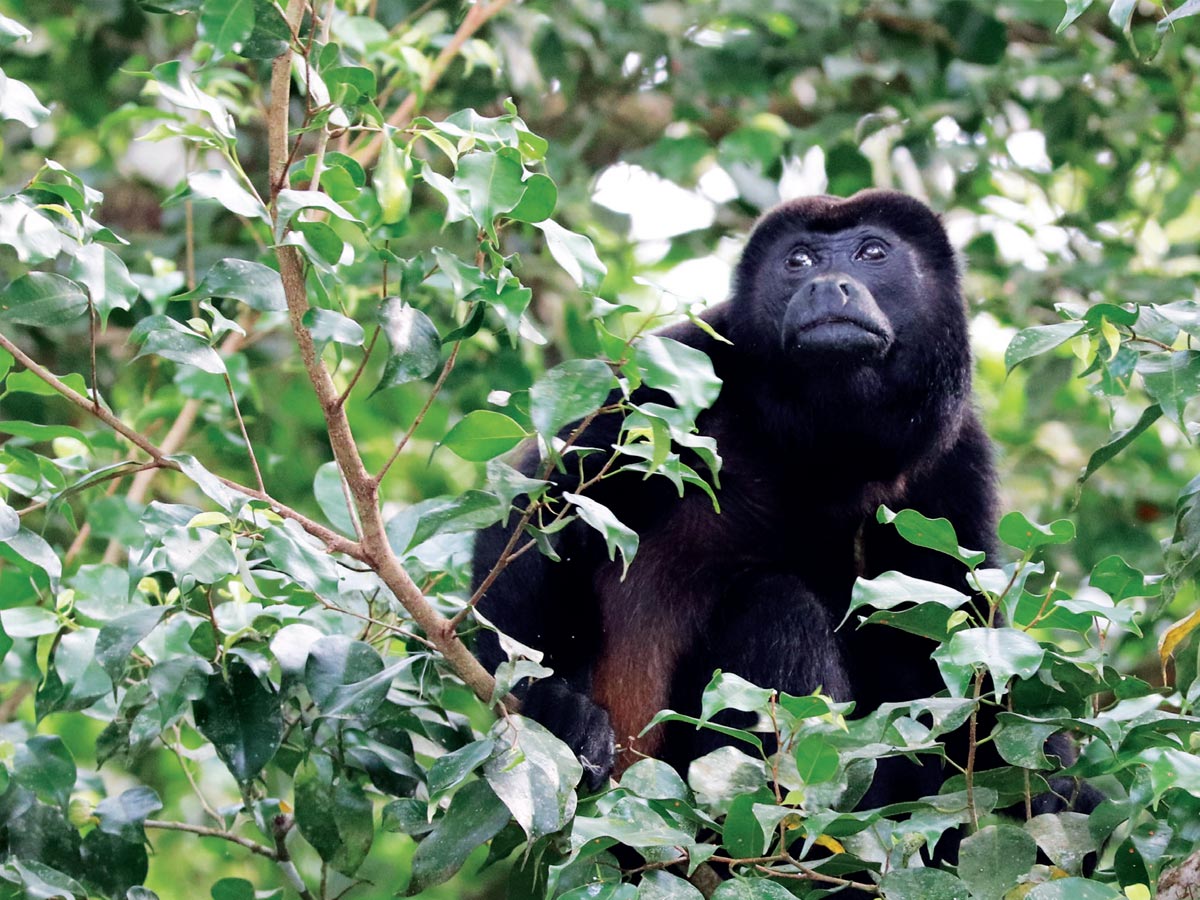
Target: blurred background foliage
(1066, 165)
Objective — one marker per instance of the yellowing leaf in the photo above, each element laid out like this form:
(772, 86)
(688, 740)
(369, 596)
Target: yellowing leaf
(830, 844)
(1173, 637)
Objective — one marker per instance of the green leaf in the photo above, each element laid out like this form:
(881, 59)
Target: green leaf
(1074, 889)
(232, 889)
(483, 434)
(29, 621)
(19, 104)
(41, 299)
(617, 535)
(44, 883)
(491, 185)
(271, 34)
(198, 555)
(393, 181)
(1171, 380)
(452, 769)
(729, 691)
(1031, 342)
(45, 766)
(633, 822)
(330, 494)
(220, 185)
(10, 522)
(1017, 531)
(817, 760)
(991, 860)
(751, 889)
(415, 345)
(682, 371)
(123, 816)
(420, 522)
(891, 589)
(1120, 440)
(241, 718)
(1005, 652)
(117, 638)
(1121, 13)
(106, 278)
(341, 675)
(533, 772)
(538, 202)
(173, 84)
(227, 24)
(1188, 8)
(936, 534)
(115, 866)
(409, 815)
(474, 817)
(254, 284)
(1064, 837)
(326, 325)
(653, 779)
(290, 202)
(165, 337)
(1075, 9)
(660, 885)
(334, 815)
(575, 253)
(568, 392)
(34, 549)
(922, 884)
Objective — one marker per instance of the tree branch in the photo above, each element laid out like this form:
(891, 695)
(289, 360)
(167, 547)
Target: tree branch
(328, 536)
(206, 831)
(374, 547)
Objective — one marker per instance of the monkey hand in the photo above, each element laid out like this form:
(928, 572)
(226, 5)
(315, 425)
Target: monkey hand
(578, 721)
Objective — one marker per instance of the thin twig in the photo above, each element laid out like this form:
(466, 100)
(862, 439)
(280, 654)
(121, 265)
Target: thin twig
(362, 366)
(206, 831)
(420, 417)
(237, 412)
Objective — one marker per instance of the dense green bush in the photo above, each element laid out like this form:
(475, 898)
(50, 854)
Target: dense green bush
(256, 398)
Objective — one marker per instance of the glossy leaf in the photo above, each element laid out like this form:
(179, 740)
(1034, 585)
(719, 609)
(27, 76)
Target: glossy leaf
(415, 347)
(483, 434)
(242, 718)
(42, 299)
(569, 392)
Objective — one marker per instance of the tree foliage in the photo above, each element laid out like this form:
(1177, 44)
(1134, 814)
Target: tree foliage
(285, 282)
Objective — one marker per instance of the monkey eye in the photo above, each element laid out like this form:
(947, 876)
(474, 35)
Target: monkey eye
(872, 251)
(799, 258)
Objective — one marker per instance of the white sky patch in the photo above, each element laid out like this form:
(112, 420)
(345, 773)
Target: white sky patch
(989, 338)
(657, 208)
(803, 177)
(702, 281)
(1028, 150)
(717, 186)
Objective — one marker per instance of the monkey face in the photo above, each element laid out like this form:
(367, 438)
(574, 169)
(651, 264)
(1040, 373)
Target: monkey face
(835, 287)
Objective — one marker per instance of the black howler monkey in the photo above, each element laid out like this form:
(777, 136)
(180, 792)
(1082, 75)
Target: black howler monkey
(847, 385)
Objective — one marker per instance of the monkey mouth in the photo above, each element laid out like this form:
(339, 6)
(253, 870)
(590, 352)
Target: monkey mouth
(837, 338)
(839, 322)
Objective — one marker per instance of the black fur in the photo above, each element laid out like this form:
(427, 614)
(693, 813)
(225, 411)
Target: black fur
(847, 386)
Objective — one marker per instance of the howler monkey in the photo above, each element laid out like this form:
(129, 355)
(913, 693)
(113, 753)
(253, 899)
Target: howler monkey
(846, 385)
